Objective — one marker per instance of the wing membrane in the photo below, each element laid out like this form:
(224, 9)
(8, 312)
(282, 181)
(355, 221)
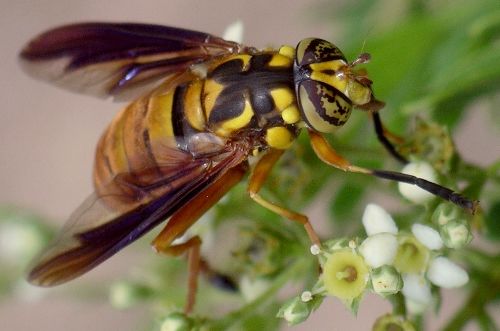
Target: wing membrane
(108, 221)
(121, 60)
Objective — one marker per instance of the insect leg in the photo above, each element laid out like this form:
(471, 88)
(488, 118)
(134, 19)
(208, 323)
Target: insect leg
(184, 218)
(383, 134)
(328, 155)
(257, 178)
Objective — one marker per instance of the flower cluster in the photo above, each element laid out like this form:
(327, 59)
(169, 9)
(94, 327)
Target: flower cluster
(386, 262)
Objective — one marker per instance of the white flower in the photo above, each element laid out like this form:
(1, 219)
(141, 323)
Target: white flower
(444, 273)
(379, 249)
(412, 192)
(427, 236)
(377, 220)
(234, 32)
(416, 289)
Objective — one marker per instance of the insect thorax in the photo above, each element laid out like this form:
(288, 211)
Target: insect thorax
(251, 93)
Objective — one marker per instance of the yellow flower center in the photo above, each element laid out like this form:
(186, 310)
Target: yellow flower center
(345, 274)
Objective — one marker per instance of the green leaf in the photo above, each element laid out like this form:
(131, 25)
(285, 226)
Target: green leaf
(491, 221)
(345, 200)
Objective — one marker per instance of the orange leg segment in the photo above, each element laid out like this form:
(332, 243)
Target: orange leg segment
(184, 218)
(328, 155)
(257, 178)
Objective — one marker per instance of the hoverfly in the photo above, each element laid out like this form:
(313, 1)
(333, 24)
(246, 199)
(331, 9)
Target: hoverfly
(202, 106)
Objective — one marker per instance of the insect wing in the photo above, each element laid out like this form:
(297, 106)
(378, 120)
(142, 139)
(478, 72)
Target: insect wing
(108, 221)
(122, 60)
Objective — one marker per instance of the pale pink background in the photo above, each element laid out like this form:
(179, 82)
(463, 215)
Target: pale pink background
(47, 140)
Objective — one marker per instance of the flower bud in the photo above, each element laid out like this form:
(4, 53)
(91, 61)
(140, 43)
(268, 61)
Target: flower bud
(345, 274)
(377, 220)
(392, 323)
(294, 311)
(456, 233)
(177, 322)
(444, 213)
(386, 280)
(334, 244)
(379, 249)
(412, 192)
(444, 273)
(427, 236)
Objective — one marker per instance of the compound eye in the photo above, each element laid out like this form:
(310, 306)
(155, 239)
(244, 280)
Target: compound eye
(322, 107)
(313, 50)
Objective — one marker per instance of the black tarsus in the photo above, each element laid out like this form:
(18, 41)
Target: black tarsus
(379, 129)
(436, 189)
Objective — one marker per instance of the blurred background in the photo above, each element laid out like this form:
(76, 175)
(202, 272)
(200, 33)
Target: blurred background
(48, 135)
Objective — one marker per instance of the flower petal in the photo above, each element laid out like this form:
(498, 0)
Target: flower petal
(427, 236)
(379, 249)
(377, 220)
(444, 273)
(417, 289)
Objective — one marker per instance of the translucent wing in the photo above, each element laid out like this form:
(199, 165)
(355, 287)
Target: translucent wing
(126, 208)
(121, 60)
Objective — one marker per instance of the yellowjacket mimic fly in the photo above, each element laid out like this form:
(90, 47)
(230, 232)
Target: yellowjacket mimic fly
(202, 106)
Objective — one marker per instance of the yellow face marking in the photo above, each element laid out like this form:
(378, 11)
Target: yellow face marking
(291, 115)
(279, 137)
(358, 93)
(328, 65)
(340, 83)
(192, 106)
(279, 60)
(159, 116)
(238, 122)
(288, 51)
(283, 97)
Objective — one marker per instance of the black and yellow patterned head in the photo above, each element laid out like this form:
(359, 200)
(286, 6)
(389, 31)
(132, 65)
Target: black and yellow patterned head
(326, 85)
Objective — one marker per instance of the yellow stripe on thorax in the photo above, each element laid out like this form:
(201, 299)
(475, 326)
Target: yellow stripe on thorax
(193, 109)
(234, 124)
(284, 100)
(279, 60)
